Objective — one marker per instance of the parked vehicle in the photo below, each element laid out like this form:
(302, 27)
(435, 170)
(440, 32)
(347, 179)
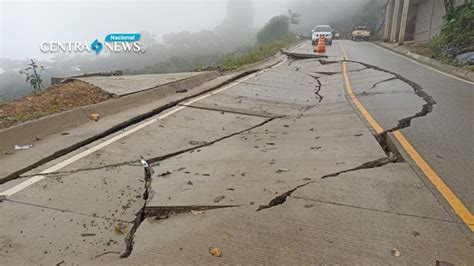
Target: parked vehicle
(321, 30)
(360, 33)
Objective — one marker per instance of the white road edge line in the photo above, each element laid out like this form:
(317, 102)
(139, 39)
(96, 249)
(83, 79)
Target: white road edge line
(11, 191)
(423, 65)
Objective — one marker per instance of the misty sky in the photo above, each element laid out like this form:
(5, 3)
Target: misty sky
(25, 24)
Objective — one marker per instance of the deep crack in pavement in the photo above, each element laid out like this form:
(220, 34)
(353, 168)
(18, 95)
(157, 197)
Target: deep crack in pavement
(130, 239)
(280, 199)
(123, 125)
(426, 108)
(147, 164)
(173, 154)
(419, 91)
(392, 154)
(318, 83)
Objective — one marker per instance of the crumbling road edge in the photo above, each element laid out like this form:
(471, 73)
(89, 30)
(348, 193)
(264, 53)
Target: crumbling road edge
(125, 124)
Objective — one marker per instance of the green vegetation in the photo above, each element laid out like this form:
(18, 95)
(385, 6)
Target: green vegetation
(277, 28)
(257, 53)
(274, 36)
(457, 34)
(228, 61)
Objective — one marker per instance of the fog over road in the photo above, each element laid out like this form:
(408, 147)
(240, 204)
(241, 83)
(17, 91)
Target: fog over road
(278, 167)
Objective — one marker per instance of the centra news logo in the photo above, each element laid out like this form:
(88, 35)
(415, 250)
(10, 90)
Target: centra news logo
(113, 43)
(96, 46)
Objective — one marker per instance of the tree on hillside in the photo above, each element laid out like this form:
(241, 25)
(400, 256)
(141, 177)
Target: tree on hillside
(277, 27)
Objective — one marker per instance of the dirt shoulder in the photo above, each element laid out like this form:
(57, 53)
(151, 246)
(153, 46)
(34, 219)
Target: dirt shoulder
(55, 99)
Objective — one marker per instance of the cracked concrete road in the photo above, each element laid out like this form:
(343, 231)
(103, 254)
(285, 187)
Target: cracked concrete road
(276, 169)
(444, 137)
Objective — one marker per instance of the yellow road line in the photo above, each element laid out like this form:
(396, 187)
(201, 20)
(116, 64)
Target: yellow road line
(378, 129)
(461, 210)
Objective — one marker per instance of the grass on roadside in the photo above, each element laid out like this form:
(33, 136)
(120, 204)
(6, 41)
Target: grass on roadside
(456, 36)
(257, 53)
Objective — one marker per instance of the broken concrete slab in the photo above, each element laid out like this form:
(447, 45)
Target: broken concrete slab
(245, 161)
(252, 167)
(114, 117)
(149, 105)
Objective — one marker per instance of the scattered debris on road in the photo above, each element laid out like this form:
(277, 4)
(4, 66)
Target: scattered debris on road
(216, 252)
(395, 252)
(121, 228)
(95, 117)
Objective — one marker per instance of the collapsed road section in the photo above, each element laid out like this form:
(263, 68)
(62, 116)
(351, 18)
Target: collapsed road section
(212, 86)
(293, 154)
(320, 178)
(393, 155)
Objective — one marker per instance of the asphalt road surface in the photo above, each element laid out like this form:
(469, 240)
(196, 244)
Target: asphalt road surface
(444, 137)
(278, 167)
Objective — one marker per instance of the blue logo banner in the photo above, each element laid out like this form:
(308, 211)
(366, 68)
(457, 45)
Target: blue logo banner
(123, 37)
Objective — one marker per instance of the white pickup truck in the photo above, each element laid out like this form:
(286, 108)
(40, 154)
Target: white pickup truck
(321, 30)
(360, 33)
